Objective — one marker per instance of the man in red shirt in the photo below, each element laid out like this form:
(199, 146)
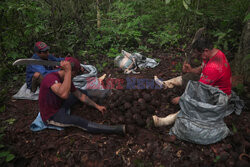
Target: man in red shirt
(215, 71)
(58, 94)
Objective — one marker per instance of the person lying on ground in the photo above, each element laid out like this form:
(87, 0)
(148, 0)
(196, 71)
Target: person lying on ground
(215, 71)
(58, 94)
(35, 73)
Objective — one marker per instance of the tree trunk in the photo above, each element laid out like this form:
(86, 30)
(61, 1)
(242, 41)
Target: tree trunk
(98, 14)
(240, 65)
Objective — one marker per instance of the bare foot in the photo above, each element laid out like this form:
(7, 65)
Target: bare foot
(102, 77)
(155, 120)
(158, 81)
(176, 100)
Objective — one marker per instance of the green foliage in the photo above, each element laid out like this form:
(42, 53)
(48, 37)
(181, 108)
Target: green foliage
(99, 67)
(118, 30)
(3, 95)
(168, 37)
(70, 26)
(234, 128)
(112, 53)
(17, 15)
(10, 121)
(178, 67)
(240, 89)
(247, 17)
(217, 158)
(1, 136)
(4, 71)
(226, 17)
(196, 61)
(222, 38)
(7, 155)
(144, 49)
(2, 108)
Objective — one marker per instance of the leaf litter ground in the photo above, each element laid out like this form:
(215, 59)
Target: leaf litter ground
(143, 145)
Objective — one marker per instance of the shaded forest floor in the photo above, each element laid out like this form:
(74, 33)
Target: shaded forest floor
(143, 145)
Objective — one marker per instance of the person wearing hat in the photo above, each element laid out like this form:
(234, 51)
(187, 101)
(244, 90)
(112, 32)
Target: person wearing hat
(58, 94)
(35, 73)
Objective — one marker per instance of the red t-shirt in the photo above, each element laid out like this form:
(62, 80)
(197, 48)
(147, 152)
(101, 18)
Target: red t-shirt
(217, 72)
(49, 102)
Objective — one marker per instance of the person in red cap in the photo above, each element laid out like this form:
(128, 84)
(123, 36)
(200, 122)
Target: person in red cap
(35, 73)
(58, 94)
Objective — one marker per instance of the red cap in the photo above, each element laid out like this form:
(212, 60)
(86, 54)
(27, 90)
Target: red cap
(76, 64)
(41, 46)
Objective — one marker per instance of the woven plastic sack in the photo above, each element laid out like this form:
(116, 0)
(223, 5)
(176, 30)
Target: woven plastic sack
(203, 108)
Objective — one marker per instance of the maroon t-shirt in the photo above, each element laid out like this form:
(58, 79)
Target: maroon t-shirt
(49, 102)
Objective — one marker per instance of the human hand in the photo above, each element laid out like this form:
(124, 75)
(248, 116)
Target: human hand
(66, 66)
(186, 67)
(102, 109)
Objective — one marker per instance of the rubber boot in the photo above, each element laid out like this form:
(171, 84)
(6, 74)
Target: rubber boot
(100, 128)
(168, 120)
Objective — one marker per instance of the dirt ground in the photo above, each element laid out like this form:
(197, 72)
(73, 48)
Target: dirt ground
(143, 145)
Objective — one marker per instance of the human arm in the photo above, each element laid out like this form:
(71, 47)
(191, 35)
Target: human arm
(187, 68)
(53, 58)
(85, 99)
(41, 69)
(63, 89)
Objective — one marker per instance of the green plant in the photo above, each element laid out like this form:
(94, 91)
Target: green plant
(217, 158)
(144, 49)
(247, 17)
(223, 39)
(99, 67)
(196, 61)
(2, 108)
(240, 89)
(3, 95)
(234, 128)
(7, 155)
(178, 67)
(10, 121)
(166, 38)
(113, 52)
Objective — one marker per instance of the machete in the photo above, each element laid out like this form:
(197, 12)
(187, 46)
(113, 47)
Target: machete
(197, 35)
(38, 62)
